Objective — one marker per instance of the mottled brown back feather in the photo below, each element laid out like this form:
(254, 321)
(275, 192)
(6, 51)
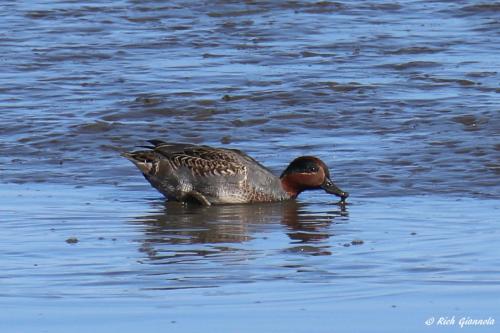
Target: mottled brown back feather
(201, 160)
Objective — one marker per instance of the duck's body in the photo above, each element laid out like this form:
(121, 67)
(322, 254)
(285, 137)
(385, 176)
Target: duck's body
(186, 172)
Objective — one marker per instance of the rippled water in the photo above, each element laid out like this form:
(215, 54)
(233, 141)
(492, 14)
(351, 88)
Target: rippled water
(400, 99)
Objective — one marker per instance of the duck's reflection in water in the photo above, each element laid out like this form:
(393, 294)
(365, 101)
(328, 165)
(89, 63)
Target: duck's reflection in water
(175, 231)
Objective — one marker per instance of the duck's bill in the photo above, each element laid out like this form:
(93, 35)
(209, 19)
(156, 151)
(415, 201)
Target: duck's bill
(331, 188)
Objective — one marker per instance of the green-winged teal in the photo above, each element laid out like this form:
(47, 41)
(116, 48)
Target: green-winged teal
(186, 172)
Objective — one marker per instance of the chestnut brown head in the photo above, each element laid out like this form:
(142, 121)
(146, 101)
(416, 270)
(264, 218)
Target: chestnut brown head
(309, 173)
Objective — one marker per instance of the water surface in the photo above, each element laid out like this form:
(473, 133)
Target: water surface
(399, 99)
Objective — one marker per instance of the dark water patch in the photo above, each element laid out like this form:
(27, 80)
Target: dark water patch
(446, 143)
(461, 82)
(322, 7)
(481, 74)
(230, 98)
(160, 43)
(263, 83)
(415, 50)
(37, 14)
(211, 55)
(95, 127)
(484, 8)
(488, 89)
(248, 46)
(412, 65)
(445, 80)
(348, 87)
(425, 269)
(247, 61)
(225, 140)
(491, 24)
(70, 12)
(73, 54)
(383, 6)
(310, 54)
(323, 90)
(275, 96)
(235, 13)
(276, 130)
(34, 66)
(290, 116)
(181, 27)
(470, 122)
(149, 100)
(236, 26)
(139, 18)
(249, 122)
(308, 250)
(206, 102)
(494, 167)
(384, 179)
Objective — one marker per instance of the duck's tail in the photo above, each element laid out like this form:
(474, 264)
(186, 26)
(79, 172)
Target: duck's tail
(145, 160)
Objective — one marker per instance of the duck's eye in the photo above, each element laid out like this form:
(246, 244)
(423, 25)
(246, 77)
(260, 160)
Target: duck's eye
(312, 169)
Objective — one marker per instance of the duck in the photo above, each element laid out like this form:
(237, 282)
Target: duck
(211, 176)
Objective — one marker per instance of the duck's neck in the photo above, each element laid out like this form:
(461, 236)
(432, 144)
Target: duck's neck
(289, 186)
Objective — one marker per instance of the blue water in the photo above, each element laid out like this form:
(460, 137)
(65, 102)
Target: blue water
(399, 99)
(141, 264)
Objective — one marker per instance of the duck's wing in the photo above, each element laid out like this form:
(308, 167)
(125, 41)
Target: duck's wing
(204, 160)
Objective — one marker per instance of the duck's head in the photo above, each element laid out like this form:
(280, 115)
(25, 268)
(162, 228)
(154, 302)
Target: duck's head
(309, 173)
